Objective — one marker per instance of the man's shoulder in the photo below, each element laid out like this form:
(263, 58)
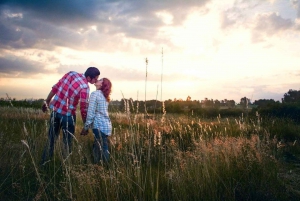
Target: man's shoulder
(75, 73)
(79, 78)
(71, 75)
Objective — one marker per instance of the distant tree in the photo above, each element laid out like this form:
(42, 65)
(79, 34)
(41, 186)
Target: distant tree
(264, 102)
(245, 102)
(208, 103)
(217, 104)
(230, 103)
(188, 98)
(292, 96)
(173, 107)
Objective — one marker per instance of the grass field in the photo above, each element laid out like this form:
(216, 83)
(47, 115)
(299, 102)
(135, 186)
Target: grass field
(167, 157)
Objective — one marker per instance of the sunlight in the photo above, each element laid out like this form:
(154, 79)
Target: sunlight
(165, 16)
(94, 27)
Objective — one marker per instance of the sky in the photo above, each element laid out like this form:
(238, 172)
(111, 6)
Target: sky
(211, 49)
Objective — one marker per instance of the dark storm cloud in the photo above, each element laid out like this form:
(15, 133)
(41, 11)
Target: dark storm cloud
(64, 23)
(56, 11)
(18, 67)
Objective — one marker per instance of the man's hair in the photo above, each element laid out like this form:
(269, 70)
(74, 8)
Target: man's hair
(92, 72)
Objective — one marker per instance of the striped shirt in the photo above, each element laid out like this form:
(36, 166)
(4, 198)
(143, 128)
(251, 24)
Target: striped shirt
(71, 88)
(97, 116)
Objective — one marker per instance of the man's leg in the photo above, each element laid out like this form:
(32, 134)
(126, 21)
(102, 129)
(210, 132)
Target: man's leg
(52, 136)
(68, 127)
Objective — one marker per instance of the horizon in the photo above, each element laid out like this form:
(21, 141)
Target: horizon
(7, 98)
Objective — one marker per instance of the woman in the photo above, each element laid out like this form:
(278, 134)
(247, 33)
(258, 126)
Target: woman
(98, 119)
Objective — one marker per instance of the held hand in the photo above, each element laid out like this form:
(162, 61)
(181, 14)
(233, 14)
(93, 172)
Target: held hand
(110, 142)
(84, 132)
(45, 107)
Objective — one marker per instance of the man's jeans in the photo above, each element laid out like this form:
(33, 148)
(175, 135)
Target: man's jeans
(57, 122)
(100, 147)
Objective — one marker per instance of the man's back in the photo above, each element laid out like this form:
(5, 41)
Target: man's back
(69, 89)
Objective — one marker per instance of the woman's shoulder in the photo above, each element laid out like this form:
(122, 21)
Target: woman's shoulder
(94, 93)
(100, 93)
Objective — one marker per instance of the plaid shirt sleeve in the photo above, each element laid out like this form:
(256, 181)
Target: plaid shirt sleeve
(55, 87)
(84, 98)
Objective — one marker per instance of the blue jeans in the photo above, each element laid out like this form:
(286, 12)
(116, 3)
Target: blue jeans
(67, 125)
(100, 147)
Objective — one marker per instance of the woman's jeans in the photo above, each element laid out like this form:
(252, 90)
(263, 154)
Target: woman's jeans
(57, 122)
(100, 147)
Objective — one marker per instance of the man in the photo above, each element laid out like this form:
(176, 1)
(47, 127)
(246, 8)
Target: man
(68, 91)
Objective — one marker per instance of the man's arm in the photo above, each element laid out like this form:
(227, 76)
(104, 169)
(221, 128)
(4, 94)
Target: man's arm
(45, 106)
(49, 98)
(84, 97)
(53, 91)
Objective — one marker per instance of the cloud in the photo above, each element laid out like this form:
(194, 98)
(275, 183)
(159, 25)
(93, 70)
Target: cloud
(17, 67)
(239, 13)
(298, 7)
(272, 23)
(230, 17)
(262, 92)
(128, 74)
(262, 18)
(269, 24)
(78, 24)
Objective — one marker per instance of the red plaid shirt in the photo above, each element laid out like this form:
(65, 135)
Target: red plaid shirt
(69, 89)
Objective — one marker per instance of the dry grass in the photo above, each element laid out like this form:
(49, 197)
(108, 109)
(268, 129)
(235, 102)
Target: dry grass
(180, 158)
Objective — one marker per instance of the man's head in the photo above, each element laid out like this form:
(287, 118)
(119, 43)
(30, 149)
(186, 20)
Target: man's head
(92, 74)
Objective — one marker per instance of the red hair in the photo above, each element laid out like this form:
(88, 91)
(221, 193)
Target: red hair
(106, 88)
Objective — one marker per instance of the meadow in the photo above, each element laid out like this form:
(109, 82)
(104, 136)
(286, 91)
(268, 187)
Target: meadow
(165, 157)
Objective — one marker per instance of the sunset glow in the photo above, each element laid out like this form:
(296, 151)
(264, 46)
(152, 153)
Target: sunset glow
(211, 49)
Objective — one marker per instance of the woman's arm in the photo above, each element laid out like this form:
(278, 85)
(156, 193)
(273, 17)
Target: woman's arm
(91, 110)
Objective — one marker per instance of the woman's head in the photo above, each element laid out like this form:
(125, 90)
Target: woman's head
(104, 85)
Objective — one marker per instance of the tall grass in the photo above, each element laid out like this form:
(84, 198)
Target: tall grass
(180, 158)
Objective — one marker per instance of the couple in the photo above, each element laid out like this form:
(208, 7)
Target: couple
(67, 92)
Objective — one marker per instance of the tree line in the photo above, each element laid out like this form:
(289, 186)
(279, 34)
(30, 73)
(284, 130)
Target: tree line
(288, 107)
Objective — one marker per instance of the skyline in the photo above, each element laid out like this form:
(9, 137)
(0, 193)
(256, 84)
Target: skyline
(211, 49)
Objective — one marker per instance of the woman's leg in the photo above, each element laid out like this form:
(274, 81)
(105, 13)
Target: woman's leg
(97, 146)
(100, 147)
(105, 153)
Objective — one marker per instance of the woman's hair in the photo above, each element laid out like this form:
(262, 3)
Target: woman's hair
(106, 88)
